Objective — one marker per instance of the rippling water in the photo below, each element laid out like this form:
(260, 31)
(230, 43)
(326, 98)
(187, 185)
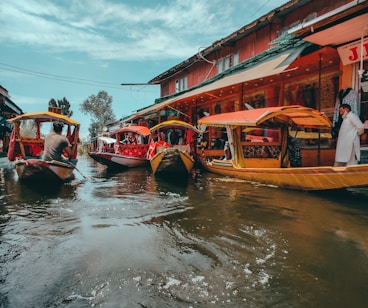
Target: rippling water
(129, 239)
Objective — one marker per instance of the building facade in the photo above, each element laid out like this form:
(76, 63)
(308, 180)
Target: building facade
(8, 109)
(305, 52)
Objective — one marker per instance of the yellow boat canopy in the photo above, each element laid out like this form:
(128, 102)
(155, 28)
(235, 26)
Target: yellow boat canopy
(293, 116)
(46, 116)
(173, 124)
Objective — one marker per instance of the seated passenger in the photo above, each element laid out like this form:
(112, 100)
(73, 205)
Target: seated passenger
(56, 144)
(132, 138)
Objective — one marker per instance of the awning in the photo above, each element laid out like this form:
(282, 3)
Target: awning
(342, 33)
(107, 140)
(272, 66)
(337, 27)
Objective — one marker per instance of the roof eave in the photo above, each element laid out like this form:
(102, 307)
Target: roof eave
(261, 22)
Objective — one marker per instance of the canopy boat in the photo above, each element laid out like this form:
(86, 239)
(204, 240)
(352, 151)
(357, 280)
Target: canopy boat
(27, 144)
(288, 147)
(172, 148)
(125, 148)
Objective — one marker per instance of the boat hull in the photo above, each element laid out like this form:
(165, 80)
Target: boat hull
(172, 162)
(301, 178)
(112, 160)
(40, 170)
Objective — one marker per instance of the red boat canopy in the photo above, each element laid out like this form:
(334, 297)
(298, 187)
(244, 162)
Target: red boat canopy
(295, 115)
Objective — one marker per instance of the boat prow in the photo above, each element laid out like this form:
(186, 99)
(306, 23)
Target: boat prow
(47, 171)
(172, 162)
(171, 152)
(125, 148)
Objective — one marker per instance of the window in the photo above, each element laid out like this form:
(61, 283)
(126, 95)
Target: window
(181, 84)
(227, 62)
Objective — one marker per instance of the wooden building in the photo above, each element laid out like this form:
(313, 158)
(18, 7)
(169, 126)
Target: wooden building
(8, 109)
(304, 52)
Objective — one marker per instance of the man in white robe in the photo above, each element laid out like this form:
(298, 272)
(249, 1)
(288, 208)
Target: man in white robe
(348, 142)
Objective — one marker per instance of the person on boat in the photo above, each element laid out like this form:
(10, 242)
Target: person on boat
(172, 137)
(227, 151)
(56, 144)
(126, 139)
(132, 138)
(348, 142)
(180, 137)
(162, 136)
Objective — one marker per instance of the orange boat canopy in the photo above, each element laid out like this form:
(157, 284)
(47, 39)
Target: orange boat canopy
(141, 130)
(293, 116)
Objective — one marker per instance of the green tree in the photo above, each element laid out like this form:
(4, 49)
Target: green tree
(63, 104)
(94, 129)
(100, 108)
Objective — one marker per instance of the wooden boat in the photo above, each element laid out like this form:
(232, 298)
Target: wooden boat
(125, 148)
(262, 142)
(172, 148)
(27, 144)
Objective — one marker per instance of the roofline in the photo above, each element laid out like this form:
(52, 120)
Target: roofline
(10, 104)
(343, 12)
(291, 42)
(233, 37)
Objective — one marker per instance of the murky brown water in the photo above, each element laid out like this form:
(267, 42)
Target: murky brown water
(128, 239)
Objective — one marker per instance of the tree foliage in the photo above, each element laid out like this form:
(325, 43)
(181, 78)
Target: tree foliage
(63, 104)
(94, 129)
(99, 107)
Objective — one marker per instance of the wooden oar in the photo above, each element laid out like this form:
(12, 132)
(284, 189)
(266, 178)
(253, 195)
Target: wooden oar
(68, 164)
(81, 173)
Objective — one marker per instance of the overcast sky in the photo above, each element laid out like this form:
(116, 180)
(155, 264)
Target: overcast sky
(76, 48)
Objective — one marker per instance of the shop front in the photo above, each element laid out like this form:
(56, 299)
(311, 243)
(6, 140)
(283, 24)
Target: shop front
(346, 30)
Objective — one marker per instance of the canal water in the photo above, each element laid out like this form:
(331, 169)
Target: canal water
(128, 239)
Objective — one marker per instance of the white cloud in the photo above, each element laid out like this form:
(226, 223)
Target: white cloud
(26, 101)
(106, 30)
(102, 43)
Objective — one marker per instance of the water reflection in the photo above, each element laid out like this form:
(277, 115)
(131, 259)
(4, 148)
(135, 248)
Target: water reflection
(130, 239)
